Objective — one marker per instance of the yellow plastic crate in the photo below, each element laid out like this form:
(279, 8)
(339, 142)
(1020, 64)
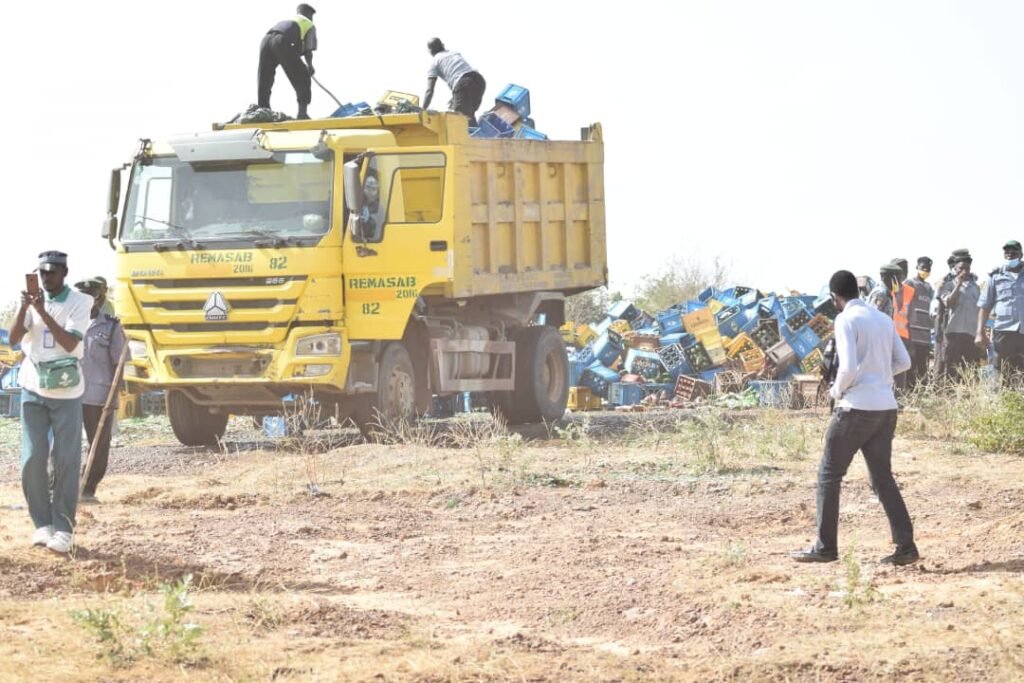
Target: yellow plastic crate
(569, 334)
(585, 334)
(579, 396)
(393, 97)
(699, 321)
(620, 326)
(753, 359)
(742, 342)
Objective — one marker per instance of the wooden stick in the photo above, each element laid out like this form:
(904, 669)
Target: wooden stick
(103, 416)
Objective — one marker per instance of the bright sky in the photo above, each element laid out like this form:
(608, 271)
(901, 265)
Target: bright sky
(790, 138)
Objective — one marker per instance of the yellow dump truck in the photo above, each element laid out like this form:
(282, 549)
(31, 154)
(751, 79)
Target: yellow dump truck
(374, 261)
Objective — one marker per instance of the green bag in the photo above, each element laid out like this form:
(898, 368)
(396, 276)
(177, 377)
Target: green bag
(62, 373)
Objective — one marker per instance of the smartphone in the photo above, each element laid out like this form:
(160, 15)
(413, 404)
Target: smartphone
(31, 283)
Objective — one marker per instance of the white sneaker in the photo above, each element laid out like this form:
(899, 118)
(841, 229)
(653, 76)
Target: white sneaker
(43, 535)
(60, 543)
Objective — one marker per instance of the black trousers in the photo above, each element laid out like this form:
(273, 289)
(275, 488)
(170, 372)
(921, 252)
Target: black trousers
(91, 420)
(276, 50)
(468, 94)
(958, 354)
(871, 432)
(1009, 352)
(918, 372)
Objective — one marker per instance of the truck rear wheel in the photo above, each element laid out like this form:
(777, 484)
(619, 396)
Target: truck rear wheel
(394, 402)
(542, 377)
(193, 424)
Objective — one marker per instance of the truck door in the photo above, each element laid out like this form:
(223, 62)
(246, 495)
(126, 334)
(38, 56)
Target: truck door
(399, 237)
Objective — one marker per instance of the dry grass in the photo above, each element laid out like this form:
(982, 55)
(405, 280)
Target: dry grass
(687, 514)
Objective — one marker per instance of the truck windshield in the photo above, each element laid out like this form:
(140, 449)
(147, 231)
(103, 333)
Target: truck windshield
(285, 197)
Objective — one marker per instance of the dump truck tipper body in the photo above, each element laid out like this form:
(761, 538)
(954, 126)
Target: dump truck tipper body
(373, 261)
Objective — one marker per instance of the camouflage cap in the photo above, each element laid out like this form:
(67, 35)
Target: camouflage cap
(98, 283)
(1012, 244)
(52, 260)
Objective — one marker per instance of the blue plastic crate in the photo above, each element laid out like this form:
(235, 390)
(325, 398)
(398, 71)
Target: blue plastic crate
(709, 375)
(670, 321)
(681, 338)
(493, 126)
(623, 310)
(644, 324)
(598, 378)
(751, 319)
(606, 349)
(730, 321)
(524, 132)
(275, 426)
(625, 393)
(692, 306)
(797, 319)
(709, 293)
(576, 368)
(804, 342)
(517, 97)
(772, 393)
(647, 364)
(352, 109)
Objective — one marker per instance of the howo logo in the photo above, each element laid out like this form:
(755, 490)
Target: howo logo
(216, 308)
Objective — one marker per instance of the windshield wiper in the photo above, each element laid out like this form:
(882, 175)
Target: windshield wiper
(184, 235)
(275, 240)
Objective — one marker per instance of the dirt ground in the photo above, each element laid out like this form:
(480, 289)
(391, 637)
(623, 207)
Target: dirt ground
(632, 552)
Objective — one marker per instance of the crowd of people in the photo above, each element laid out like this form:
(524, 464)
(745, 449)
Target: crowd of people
(951, 326)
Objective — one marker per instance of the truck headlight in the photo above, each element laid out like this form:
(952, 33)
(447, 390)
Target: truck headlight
(138, 349)
(319, 345)
(317, 370)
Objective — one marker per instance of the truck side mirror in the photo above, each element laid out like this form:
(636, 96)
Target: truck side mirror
(113, 202)
(354, 197)
(109, 227)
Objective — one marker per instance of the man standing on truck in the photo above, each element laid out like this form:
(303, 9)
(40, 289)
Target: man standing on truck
(104, 342)
(286, 44)
(467, 85)
(52, 323)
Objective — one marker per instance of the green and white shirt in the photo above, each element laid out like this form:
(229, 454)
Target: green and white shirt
(71, 310)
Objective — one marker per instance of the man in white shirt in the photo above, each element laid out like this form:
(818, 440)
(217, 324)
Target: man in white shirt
(50, 326)
(870, 354)
(467, 85)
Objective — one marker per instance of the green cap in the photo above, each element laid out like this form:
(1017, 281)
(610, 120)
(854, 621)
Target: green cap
(1012, 244)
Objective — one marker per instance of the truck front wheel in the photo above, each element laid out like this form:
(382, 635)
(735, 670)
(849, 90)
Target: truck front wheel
(394, 402)
(193, 424)
(542, 377)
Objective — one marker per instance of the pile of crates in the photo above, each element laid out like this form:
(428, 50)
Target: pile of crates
(723, 341)
(509, 117)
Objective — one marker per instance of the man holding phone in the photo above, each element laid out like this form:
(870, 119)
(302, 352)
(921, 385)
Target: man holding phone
(50, 325)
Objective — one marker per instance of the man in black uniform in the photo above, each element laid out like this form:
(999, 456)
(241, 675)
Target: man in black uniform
(286, 44)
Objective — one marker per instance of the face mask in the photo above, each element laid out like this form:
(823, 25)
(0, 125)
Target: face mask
(1013, 263)
(923, 274)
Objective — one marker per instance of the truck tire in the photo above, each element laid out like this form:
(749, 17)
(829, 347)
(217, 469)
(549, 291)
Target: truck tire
(395, 398)
(193, 424)
(542, 378)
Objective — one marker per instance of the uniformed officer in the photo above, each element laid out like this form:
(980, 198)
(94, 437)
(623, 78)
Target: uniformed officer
(104, 342)
(286, 44)
(916, 310)
(1004, 295)
(882, 295)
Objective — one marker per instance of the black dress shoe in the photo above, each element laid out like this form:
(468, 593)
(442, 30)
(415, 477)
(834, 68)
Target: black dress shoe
(813, 555)
(902, 556)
